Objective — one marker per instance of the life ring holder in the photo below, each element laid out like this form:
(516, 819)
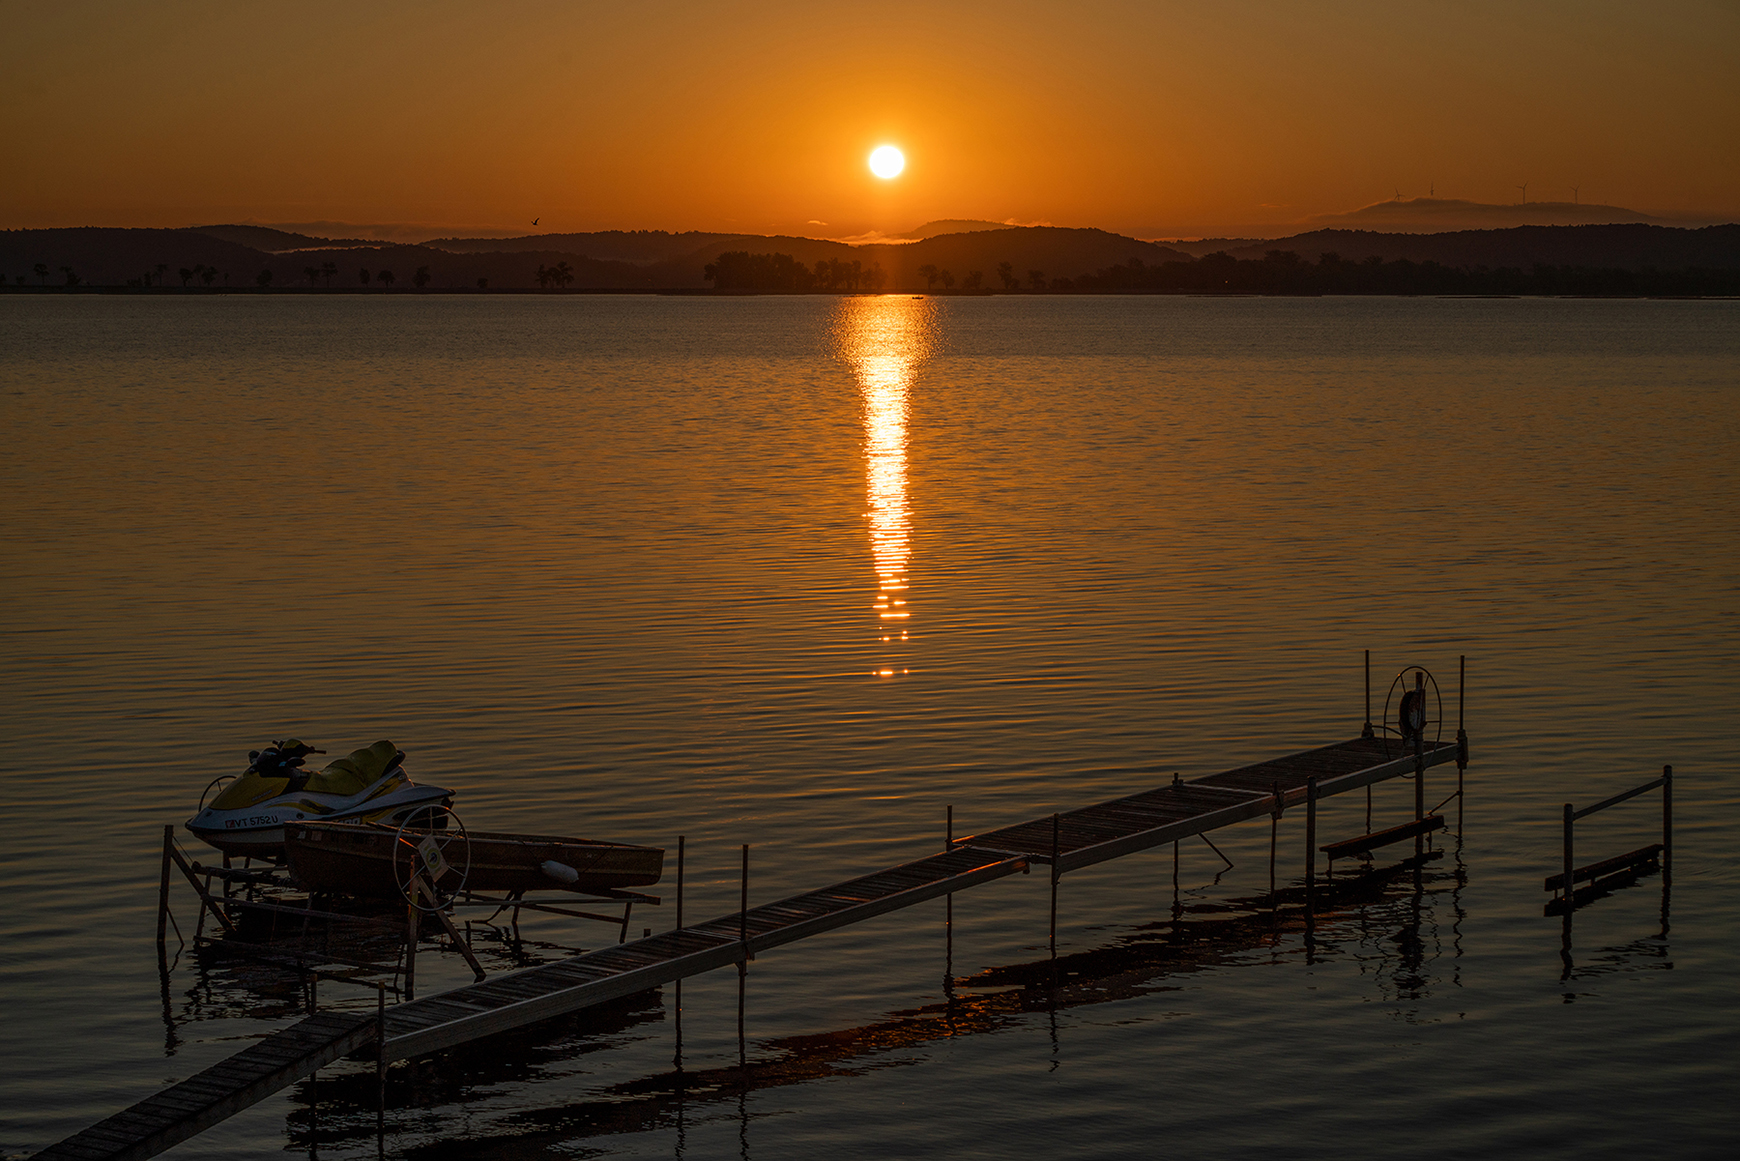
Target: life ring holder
(1407, 686)
(431, 842)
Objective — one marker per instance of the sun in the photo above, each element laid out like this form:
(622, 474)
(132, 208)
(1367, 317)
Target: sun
(887, 161)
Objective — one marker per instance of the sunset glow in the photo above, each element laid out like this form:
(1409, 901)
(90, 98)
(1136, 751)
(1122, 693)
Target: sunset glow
(1046, 116)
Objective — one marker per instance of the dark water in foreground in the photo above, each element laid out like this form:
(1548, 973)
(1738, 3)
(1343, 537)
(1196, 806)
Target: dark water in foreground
(632, 568)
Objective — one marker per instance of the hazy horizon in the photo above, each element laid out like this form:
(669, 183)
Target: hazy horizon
(1148, 120)
(1410, 215)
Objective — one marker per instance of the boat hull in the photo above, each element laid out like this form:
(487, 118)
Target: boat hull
(350, 859)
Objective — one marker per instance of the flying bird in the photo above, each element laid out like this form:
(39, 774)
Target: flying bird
(534, 221)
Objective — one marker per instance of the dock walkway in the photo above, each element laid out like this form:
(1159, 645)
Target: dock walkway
(1078, 838)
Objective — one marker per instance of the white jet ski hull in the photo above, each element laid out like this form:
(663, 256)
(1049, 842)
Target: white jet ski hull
(257, 831)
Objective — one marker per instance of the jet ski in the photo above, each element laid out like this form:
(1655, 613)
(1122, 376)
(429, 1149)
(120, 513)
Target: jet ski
(370, 785)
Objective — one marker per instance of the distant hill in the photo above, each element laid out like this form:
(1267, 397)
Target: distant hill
(105, 256)
(948, 226)
(268, 240)
(651, 260)
(1058, 252)
(1436, 215)
(638, 247)
(1624, 247)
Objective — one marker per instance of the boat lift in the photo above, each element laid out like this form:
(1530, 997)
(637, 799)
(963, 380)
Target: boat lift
(251, 904)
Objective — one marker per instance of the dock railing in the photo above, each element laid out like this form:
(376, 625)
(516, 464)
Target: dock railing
(1609, 872)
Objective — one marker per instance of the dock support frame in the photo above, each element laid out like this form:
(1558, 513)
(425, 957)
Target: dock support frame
(1564, 884)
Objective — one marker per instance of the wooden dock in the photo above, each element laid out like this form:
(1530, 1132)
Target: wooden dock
(221, 1091)
(1063, 842)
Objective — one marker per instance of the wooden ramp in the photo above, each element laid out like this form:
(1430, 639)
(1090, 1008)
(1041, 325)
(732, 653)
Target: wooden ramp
(224, 1089)
(1080, 838)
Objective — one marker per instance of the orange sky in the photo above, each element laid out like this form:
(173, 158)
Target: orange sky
(1152, 118)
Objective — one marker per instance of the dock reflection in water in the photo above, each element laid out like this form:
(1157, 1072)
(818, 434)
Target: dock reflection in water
(1386, 919)
(885, 339)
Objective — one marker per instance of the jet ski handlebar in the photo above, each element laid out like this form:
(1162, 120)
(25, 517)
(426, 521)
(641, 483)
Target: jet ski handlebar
(278, 759)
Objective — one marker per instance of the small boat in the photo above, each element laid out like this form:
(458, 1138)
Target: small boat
(359, 859)
(369, 785)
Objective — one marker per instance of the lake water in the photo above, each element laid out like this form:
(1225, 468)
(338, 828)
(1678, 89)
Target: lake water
(634, 568)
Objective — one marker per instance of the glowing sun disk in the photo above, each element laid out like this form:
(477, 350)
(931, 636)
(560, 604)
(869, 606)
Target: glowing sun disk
(887, 161)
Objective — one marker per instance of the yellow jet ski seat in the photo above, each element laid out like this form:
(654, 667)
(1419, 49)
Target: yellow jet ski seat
(358, 771)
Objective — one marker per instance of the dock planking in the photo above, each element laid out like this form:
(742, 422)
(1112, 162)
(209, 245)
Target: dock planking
(1166, 814)
(1077, 838)
(224, 1089)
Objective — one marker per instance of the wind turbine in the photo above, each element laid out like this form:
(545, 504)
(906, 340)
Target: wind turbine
(1575, 199)
(1525, 190)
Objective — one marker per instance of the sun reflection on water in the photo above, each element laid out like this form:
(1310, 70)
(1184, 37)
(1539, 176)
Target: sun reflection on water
(884, 339)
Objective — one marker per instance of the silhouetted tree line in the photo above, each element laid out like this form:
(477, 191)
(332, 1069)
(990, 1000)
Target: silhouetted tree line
(1285, 272)
(741, 270)
(1279, 272)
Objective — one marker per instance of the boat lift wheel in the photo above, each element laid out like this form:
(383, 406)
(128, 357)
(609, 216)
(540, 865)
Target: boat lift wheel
(1415, 695)
(432, 843)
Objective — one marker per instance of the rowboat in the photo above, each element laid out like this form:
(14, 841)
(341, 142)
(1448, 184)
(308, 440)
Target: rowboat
(374, 859)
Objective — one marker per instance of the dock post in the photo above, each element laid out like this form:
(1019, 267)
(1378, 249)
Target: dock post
(1461, 734)
(163, 889)
(1177, 781)
(1420, 764)
(1310, 849)
(1274, 839)
(1667, 826)
(1569, 885)
(381, 1062)
(743, 961)
(1056, 824)
(743, 912)
(677, 1056)
(1367, 731)
(411, 936)
(680, 844)
(949, 908)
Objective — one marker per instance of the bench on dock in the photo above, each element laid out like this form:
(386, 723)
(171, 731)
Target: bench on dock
(1602, 877)
(1347, 848)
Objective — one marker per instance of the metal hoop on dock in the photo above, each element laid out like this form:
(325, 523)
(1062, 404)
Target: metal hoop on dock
(431, 844)
(1399, 729)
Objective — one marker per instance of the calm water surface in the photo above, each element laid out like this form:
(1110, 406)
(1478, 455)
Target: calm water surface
(803, 573)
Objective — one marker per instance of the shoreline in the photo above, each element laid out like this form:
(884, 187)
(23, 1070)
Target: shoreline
(709, 292)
